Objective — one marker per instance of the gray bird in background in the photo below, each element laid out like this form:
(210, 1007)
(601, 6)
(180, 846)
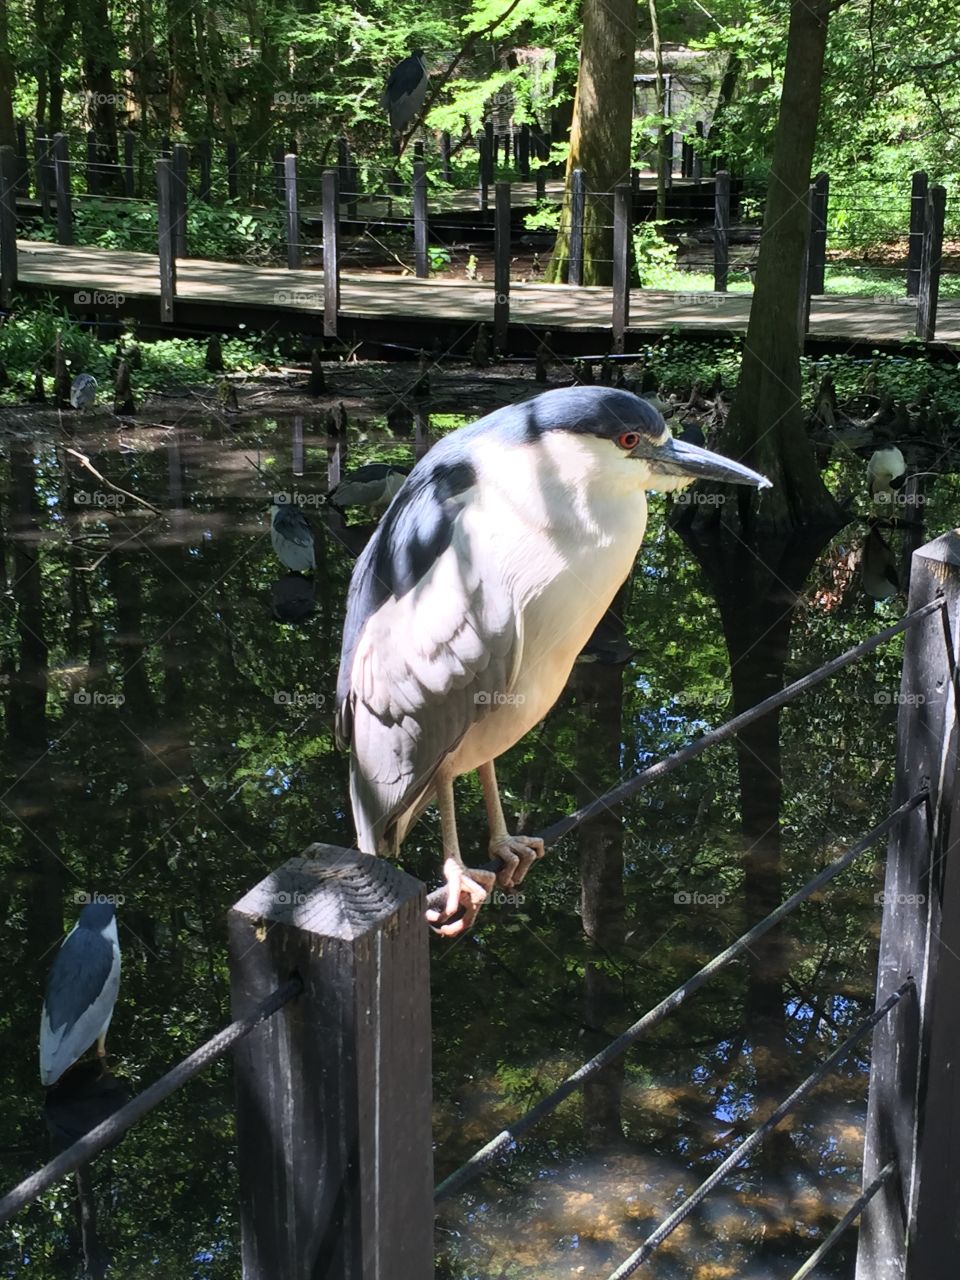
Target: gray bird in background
(406, 89)
(292, 535)
(374, 485)
(81, 992)
(83, 391)
(467, 609)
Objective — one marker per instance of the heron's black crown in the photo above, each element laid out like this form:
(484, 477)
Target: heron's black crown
(96, 916)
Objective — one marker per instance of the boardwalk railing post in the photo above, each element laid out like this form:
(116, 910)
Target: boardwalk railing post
(294, 256)
(913, 1109)
(696, 164)
(918, 211)
(233, 187)
(540, 181)
(930, 263)
(331, 252)
(334, 1146)
(622, 203)
(578, 205)
(666, 159)
(803, 317)
(817, 261)
(9, 172)
(166, 214)
(422, 265)
(61, 163)
(501, 264)
(686, 158)
(129, 142)
(721, 231)
(180, 166)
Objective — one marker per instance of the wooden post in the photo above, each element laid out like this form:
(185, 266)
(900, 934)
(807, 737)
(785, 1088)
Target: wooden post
(445, 156)
(347, 176)
(803, 317)
(686, 158)
(930, 264)
(334, 1147)
(204, 161)
(46, 179)
(501, 265)
(93, 164)
(523, 154)
(696, 167)
(61, 166)
(166, 213)
(180, 164)
(166, 148)
(23, 164)
(129, 143)
(817, 259)
(622, 203)
(490, 152)
(331, 252)
(422, 265)
(294, 255)
(540, 181)
(578, 204)
(232, 166)
(666, 160)
(9, 172)
(483, 146)
(918, 209)
(721, 231)
(913, 1107)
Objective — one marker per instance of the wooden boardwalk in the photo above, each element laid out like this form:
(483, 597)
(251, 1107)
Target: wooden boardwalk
(226, 295)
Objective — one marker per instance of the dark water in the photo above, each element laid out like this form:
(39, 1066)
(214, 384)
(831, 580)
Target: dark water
(167, 741)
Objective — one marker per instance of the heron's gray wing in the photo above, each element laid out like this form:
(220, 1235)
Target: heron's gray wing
(293, 525)
(430, 640)
(81, 991)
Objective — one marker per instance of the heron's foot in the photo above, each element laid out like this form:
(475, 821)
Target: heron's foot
(102, 1046)
(518, 854)
(467, 891)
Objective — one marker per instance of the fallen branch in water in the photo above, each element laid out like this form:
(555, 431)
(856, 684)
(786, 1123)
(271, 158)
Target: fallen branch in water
(85, 462)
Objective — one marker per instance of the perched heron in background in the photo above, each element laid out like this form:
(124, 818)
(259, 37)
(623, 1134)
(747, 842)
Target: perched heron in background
(886, 472)
(470, 603)
(292, 536)
(374, 485)
(81, 992)
(406, 89)
(878, 567)
(83, 391)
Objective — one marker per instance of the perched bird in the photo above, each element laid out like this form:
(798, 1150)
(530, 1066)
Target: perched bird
(374, 485)
(81, 992)
(878, 567)
(83, 391)
(292, 536)
(886, 472)
(470, 603)
(406, 89)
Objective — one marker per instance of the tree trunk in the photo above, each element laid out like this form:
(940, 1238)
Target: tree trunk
(8, 133)
(766, 424)
(661, 95)
(61, 22)
(99, 59)
(182, 59)
(600, 136)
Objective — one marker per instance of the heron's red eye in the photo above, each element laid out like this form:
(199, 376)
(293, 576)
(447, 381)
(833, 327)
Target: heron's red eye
(628, 439)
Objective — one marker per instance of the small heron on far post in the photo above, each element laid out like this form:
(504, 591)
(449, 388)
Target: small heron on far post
(406, 89)
(81, 992)
(467, 609)
(886, 472)
(83, 391)
(374, 485)
(292, 536)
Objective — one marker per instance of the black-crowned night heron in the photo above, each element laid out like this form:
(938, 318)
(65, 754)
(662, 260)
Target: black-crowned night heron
(83, 391)
(878, 567)
(292, 536)
(471, 601)
(406, 89)
(81, 992)
(886, 472)
(374, 485)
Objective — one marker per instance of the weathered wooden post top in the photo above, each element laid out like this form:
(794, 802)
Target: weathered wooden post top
(334, 1091)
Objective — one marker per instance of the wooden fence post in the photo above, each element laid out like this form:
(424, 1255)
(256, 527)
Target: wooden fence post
(334, 1138)
(501, 264)
(46, 178)
(913, 1109)
(331, 252)
(294, 255)
(180, 165)
(523, 152)
(578, 205)
(686, 158)
(918, 211)
(204, 161)
(930, 264)
(817, 260)
(484, 166)
(421, 263)
(696, 166)
(622, 206)
(721, 231)
(9, 173)
(23, 163)
(129, 143)
(540, 182)
(666, 159)
(61, 167)
(166, 214)
(232, 167)
(803, 310)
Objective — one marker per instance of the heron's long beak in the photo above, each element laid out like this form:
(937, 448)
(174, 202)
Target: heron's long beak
(677, 458)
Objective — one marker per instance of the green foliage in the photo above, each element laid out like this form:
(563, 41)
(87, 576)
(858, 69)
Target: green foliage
(439, 257)
(654, 258)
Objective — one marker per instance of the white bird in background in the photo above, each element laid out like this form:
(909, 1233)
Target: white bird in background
(81, 992)
(886, 473)
(292, 536)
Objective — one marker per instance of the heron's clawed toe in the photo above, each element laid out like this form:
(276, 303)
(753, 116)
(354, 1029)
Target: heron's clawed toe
(518, 854)
(467, 891)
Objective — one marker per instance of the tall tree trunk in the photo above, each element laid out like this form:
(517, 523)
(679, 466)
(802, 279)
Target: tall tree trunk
(99, 60)
(8, 133)
(61, 25)
(40, 23)
(766, 423)
(182, 59)
(600, 137)
(661, 95)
